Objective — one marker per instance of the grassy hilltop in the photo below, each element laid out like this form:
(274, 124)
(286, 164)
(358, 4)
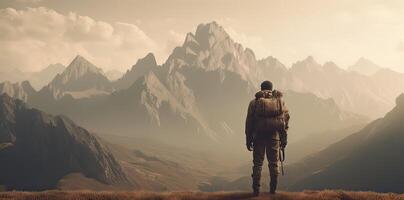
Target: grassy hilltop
(306, 195)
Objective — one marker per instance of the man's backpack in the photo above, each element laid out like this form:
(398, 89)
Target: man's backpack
(269, 113)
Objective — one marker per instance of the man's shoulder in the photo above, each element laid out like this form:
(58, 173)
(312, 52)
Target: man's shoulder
(253, 100)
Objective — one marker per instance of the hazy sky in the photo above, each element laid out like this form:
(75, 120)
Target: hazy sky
(115, 33)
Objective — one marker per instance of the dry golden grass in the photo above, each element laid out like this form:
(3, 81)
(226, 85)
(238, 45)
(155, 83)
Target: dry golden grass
(90, 195)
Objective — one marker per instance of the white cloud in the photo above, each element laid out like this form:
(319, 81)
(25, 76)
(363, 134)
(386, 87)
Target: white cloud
(32, 38)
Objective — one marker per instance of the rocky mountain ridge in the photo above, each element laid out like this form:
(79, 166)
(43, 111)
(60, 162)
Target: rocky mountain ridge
(19, 90)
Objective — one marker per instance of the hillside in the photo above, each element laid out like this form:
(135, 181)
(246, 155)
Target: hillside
(306, 195)
(38, 149)
(370, 159)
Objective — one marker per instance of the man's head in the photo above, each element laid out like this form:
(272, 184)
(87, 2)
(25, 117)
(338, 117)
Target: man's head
(266, 85)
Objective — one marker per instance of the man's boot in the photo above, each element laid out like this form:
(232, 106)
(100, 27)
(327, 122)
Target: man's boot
(273, 184)
(256, 179)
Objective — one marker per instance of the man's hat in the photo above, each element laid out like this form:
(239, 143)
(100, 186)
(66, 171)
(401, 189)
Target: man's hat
(266, 85)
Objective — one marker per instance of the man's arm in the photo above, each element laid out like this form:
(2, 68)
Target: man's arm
(249, 125)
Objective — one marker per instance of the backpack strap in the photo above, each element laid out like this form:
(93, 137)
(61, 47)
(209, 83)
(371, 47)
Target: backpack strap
(280, 106)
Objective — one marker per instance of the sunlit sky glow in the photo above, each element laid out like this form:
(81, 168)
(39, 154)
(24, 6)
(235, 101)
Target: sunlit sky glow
(114, 34)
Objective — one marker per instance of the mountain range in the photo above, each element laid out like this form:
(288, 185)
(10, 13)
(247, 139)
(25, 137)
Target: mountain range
(194, 96)
(351, 91)
(365, 66)
(210, 49)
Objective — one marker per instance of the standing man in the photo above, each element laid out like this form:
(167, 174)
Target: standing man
(266, 133)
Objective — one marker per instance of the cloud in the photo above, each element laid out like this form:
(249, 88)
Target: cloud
(32, 38)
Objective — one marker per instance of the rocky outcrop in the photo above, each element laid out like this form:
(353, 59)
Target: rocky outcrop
(20, 91)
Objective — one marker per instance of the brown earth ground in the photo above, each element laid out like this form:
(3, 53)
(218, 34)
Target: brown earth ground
(89, 195)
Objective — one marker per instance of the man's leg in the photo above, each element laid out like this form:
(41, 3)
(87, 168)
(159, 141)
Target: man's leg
(258, 159)
(272, 151)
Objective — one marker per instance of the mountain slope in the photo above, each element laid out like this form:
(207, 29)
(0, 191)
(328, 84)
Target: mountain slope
(141, 68)
(38, 149)
(367, 160)
(325, 115)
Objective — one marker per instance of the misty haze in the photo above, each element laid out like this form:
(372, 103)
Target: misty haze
(201, 100)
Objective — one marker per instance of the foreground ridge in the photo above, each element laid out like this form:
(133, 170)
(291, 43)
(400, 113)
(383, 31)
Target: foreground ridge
(305, 195)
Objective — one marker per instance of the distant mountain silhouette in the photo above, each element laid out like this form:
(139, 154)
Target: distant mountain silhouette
(364, 66)
(38, 79)
(41, 78)
(37, 150)
(13, 75)
(80, 79)
(370, 159)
